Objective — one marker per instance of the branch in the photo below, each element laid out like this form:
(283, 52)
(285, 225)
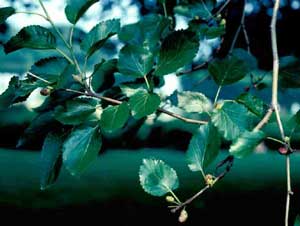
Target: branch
(114, 101)
(243, 27)
(275, 105)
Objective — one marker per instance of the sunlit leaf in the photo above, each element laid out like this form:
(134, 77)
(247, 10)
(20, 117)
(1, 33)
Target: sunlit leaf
(157, 178)
(135, 61)
(115, 117)
(246, 143)
(231, 119)
(193, 102)
(143, 103)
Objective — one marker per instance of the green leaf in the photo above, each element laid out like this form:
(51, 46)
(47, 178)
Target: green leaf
(196, 10)
(76, 8)
(203, 148)
(50, 69)
(248, 58)
(231, 119)
(297, 221)
(157, 178)
(17, 91)
(33, 37)
(207, 32)
(143, 103)
(289, 72)
(228, 70)
(75, 111)
(115, 117)
(135, 61)
(294, 123)
(253, 103)
(102, 77)
(51, 159)
(81, 148)
(246, 143)
(193, 102)
(6, 12)
(96, 38)
(178, 49)
(39, 127)
(148, 31)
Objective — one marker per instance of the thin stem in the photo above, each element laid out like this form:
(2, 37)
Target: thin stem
(188, 201)
(165, 9)
(38, 77)
(114, 101)
(71, 35)
(147, 83)
(265, 119)
(64, 55)
(241, 26)
(275, 104)
(53, 25)
(276, 140)
(222, 8)
(217, 95)
(175, 196)
(32, 13)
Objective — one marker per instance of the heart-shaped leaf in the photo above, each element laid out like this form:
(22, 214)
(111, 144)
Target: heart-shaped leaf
(228, 70)
(157, 178)
(135, 61)
(115, 117)
(143, 103)
(231, 119)
(178, 49)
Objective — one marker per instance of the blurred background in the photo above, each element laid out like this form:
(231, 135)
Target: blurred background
(252, 193)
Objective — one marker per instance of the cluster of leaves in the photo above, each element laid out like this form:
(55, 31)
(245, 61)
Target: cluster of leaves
(79, 109)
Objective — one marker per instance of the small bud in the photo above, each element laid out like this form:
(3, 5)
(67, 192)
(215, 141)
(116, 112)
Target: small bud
(218, 106)
(183, 216)
(170, 199)
(287, 139)
(223, 22)
(210, 180)
(45, 91)
(77, 78)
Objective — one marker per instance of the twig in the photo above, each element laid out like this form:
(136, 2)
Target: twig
(188, 201)
(222, 8)
(38, 77)
(265, 119)
(33, 13)
(241, 26)
(275, 105)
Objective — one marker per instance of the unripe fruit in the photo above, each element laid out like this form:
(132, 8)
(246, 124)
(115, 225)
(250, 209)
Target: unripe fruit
(45, 91)
(170, 199)
(183, 216)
